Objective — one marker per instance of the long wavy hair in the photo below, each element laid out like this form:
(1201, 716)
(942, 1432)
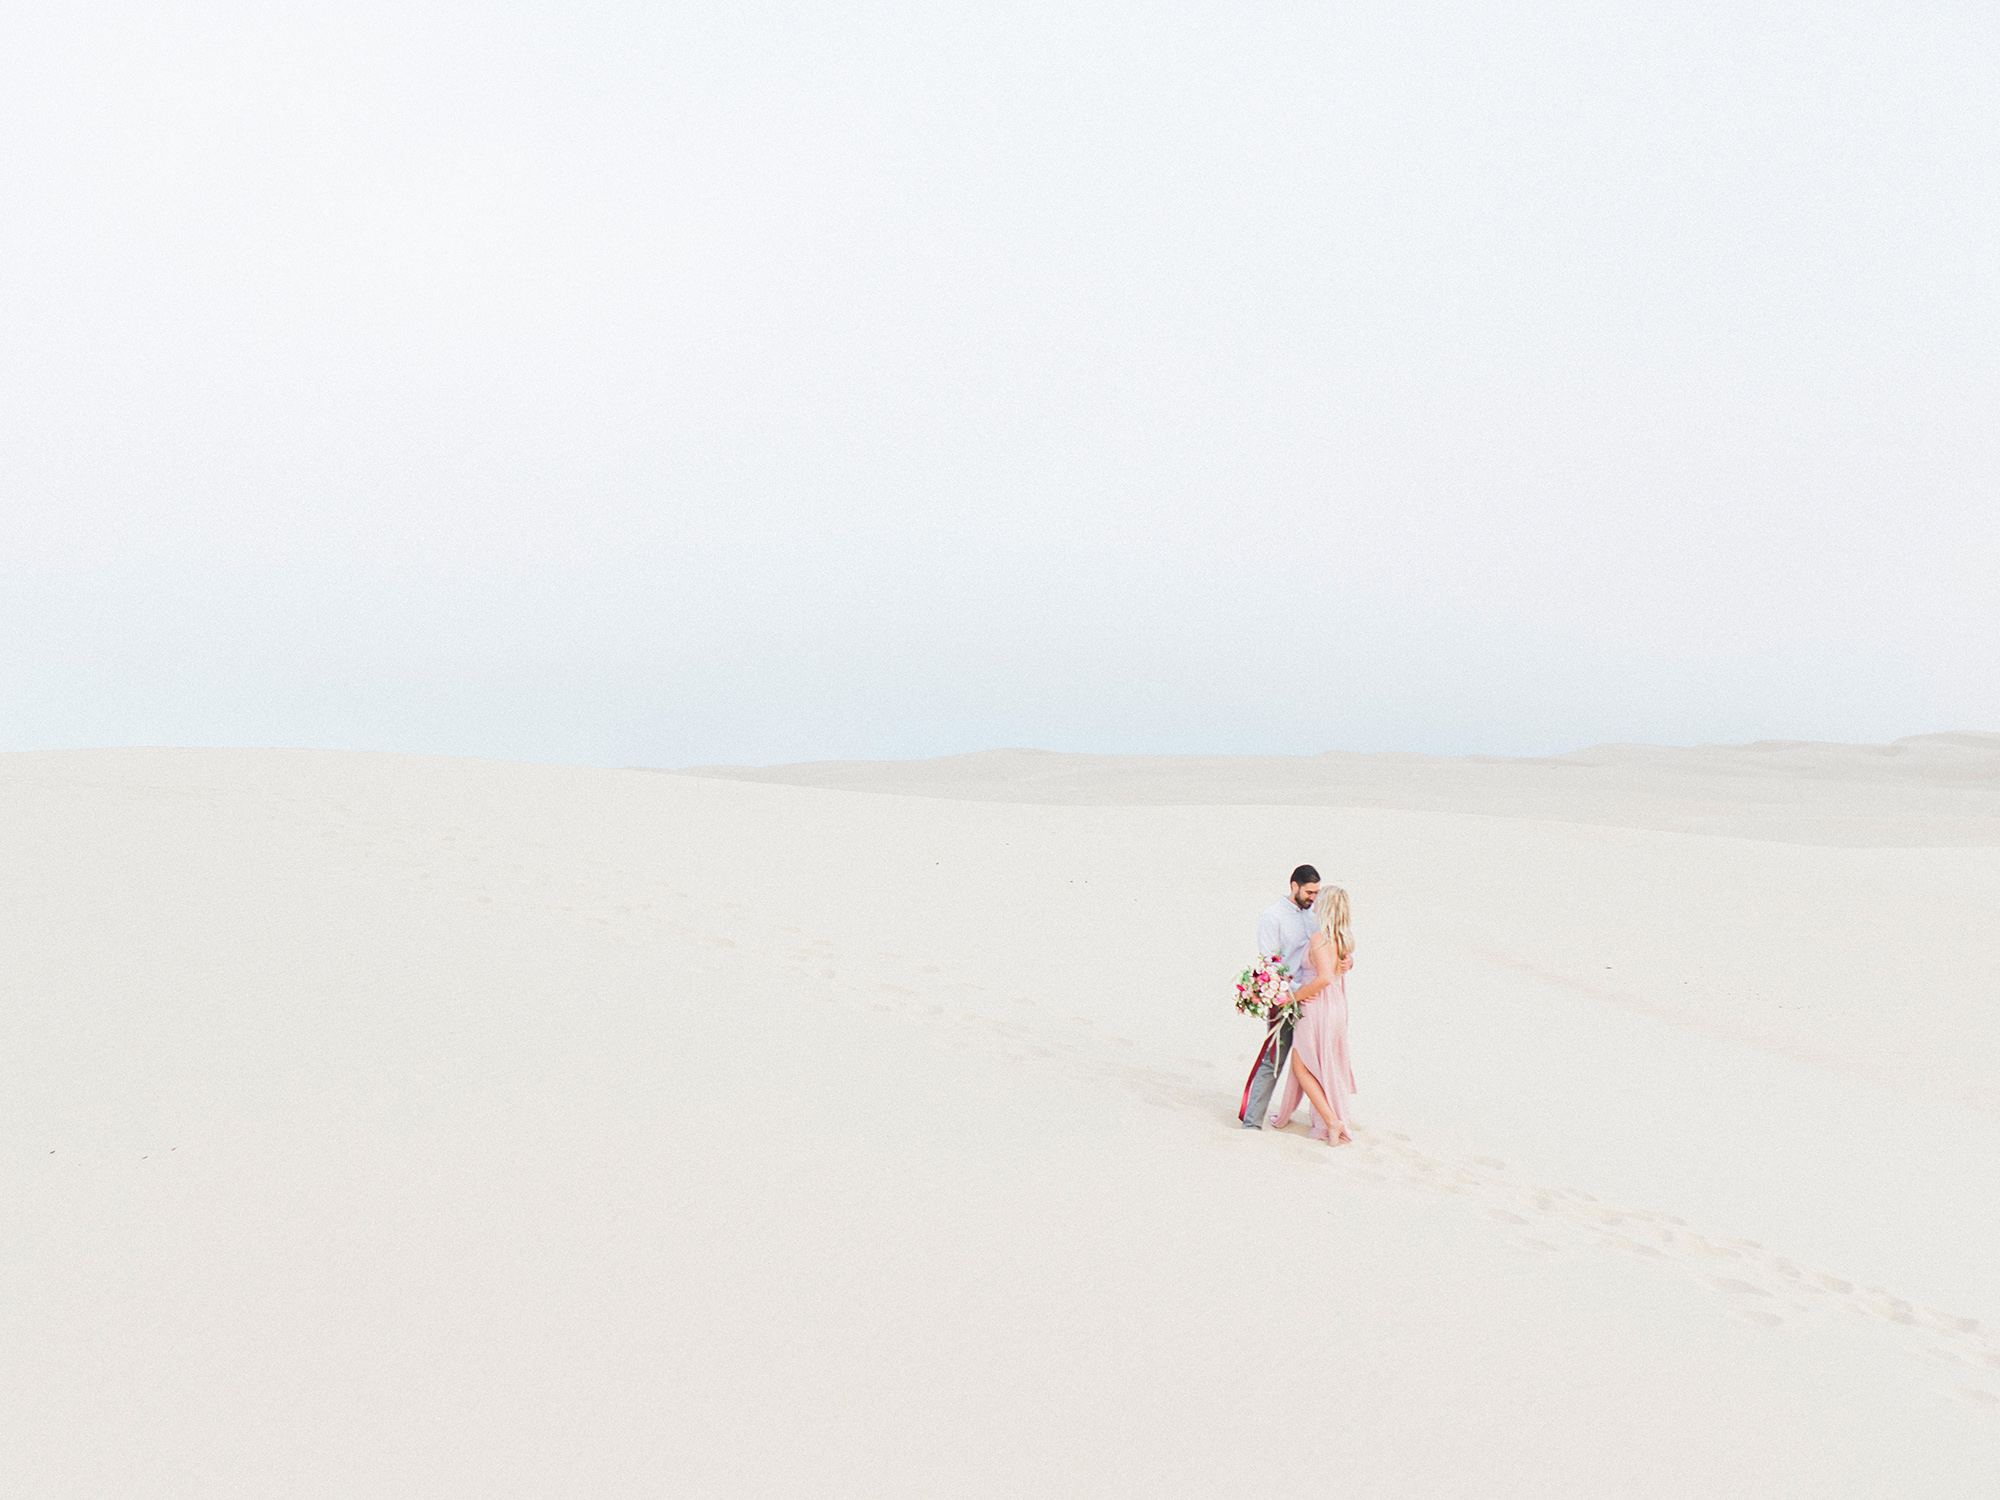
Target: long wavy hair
(1331, 909)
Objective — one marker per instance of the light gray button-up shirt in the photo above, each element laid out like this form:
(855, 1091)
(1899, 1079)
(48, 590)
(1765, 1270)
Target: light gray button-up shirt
(1286, 931)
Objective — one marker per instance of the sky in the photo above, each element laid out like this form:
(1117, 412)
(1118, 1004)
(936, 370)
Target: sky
(642, 384)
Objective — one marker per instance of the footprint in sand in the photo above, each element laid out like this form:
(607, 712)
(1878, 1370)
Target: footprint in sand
(1761, 1319)
(1734, 1287)
(1703, 1247)
(1884, 1304)
(1612, 1242)
(1949, 1322)
(1502, 1216)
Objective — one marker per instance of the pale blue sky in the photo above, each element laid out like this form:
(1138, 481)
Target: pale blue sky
(651, 384)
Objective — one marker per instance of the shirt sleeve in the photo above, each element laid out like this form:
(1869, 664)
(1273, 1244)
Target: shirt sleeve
(1270, 936)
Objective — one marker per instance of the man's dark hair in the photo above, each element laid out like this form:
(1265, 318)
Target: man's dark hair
(1305, 875)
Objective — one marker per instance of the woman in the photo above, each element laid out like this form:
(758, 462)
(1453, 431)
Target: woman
(1320, 1068)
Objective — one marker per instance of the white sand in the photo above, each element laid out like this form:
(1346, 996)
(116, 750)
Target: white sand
(381, 1126)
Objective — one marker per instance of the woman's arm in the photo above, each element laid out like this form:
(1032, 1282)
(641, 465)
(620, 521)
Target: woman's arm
(1321, 954)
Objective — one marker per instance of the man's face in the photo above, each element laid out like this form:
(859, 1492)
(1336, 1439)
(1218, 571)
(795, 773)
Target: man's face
(1303, 896)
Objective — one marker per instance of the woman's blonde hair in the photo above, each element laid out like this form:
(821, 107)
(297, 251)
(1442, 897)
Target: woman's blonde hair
(1332, 911)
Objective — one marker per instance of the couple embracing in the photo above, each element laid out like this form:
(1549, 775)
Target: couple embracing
(1309, 932)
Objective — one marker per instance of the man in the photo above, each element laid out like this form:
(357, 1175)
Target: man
(1285, 929)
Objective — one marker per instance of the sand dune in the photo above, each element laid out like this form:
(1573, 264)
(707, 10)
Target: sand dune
(1931, 789)
(380, 1125)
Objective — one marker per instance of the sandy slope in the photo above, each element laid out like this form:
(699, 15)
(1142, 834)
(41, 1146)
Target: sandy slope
(1928, 790)
(386, 1126)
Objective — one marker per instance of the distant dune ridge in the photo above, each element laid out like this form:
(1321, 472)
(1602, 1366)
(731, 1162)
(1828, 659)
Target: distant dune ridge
(1928, 789)
(392, 1126)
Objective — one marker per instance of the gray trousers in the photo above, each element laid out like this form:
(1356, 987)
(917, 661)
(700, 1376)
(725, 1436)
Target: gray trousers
(1264, 1082)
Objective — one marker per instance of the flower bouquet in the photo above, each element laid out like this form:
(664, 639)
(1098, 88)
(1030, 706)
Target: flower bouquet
(1264, 990)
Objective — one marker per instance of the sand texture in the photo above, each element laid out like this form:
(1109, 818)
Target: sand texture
(390, 1126)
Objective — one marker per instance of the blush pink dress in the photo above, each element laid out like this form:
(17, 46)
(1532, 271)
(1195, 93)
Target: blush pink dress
(1319, 1042)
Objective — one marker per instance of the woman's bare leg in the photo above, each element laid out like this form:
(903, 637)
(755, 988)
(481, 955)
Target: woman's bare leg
(1335, 1127)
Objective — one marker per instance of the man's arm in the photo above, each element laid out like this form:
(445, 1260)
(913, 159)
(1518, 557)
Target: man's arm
(1270, 936)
